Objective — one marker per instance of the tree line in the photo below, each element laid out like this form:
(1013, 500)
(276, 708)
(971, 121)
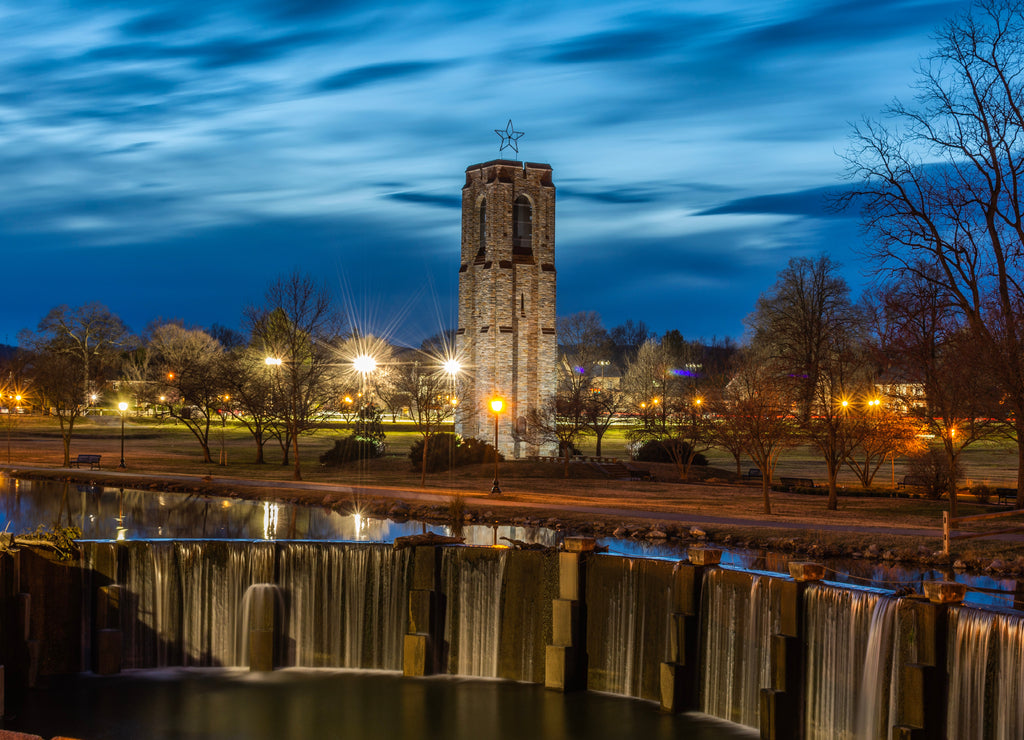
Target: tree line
(296, 366)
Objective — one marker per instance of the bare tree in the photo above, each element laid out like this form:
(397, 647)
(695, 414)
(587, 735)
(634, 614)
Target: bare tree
(57, 381)
(558, 421)
(90, 333)
(807, 326)
(429, 388)
(943, 186)
(296, 327)
(628, 337)
(924, 337)
(253, 385)
(600, 410)
(879, 433)
(187, 367)
(757, 407)
(667, 403)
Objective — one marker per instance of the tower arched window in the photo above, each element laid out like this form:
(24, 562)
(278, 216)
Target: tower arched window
(522, 226)
(481, 252)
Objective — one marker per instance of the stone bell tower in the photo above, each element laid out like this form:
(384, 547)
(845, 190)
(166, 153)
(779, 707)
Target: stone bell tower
(506, 335)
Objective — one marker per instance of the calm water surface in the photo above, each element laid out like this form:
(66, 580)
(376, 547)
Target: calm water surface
(224, 704)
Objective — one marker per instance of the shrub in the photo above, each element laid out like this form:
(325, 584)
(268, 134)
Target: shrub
(447, 449)
(661, 450)
(981, 493)
(933, 470)
(369, 424)
(572, 449)
(351, 449)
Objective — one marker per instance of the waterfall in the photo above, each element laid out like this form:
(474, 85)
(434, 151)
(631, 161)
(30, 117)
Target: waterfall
(623, 617)
(736, 633)
(262, 608)
(473, 580)
(986, 673)
(849, 648)
(346, 604)
(628, 617)
(1009, 714)
(151, 613)
(874, 706)
(214, 579)
(185, 602)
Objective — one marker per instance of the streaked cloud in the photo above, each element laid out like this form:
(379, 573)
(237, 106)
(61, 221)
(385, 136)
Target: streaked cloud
(154, 142)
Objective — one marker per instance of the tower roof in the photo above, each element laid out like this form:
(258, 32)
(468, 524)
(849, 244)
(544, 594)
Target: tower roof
(509, 163)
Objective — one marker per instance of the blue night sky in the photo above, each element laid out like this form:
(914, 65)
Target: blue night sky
(169, 159)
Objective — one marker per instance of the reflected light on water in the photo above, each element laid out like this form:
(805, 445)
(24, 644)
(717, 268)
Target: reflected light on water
(270, 514)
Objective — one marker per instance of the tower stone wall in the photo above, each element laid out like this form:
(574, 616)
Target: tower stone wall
(506, 335)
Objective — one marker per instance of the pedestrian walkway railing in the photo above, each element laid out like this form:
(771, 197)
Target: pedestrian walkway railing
(948, 522)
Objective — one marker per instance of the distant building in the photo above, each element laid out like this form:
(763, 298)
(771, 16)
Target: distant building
(901, 395)
(506, 335)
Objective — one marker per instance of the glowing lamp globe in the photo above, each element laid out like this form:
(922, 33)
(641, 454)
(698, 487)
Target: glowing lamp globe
(364, 364)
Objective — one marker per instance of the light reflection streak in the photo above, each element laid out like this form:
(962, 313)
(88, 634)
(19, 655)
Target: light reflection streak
(270, 516)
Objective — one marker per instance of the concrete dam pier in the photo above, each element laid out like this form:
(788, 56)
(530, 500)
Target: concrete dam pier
(792, 657)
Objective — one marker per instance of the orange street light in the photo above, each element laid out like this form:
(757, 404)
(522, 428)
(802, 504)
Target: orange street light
(496, 406)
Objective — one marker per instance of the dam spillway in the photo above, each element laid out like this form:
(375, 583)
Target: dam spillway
(789, 659)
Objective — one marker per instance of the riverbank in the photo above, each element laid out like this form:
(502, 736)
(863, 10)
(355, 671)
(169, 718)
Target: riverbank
(883, 529)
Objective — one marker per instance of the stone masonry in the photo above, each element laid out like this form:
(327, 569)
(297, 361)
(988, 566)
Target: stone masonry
(506, 335)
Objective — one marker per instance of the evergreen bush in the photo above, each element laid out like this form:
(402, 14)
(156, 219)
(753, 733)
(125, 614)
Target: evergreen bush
(661, 450)
(351, 449)
(450, 450)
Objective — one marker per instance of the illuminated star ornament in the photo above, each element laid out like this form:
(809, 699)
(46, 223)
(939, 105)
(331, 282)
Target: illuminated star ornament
(509, 138)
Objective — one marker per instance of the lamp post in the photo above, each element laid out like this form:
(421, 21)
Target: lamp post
(496, 406)
(122, 407)
(452, 368)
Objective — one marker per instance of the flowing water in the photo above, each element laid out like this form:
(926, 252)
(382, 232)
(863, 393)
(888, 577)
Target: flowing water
(986, 674)
(848, 663)
(738, 622)
(473, 582)
(628, 624)
(185, 603)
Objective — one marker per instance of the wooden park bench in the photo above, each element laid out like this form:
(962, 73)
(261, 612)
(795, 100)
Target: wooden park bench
(792, 483)
(93, 461)
(913, 481)
(1006, 495)
(636, 472)
(753, 474)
